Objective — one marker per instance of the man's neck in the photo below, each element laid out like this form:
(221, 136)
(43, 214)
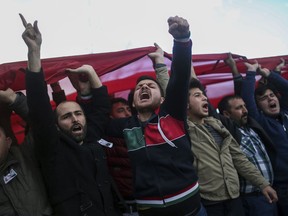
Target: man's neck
(145, 116)
(196, 119)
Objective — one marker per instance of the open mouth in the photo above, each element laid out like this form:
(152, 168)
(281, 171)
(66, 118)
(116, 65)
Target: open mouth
(272, 105)
(144, 95)
(205, 106)
(244, 116)
(77, 128)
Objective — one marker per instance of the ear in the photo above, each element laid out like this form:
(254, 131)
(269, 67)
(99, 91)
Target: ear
(162, 100)
(226, 113)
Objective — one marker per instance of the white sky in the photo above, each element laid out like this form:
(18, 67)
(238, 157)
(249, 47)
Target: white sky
(254, 28)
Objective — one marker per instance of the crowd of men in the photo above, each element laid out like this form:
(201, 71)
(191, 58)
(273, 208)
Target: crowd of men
(163, 151)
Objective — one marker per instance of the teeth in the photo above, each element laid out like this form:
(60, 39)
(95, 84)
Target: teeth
(76, 128)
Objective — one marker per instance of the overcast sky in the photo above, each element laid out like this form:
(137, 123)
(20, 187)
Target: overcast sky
(254, 28)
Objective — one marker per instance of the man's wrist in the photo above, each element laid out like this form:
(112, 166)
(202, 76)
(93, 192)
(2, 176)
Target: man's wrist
(183, 38)
(158, 65)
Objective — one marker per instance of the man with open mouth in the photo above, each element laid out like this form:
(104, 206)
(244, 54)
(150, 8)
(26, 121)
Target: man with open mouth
(269, 107)
(72, 162)
(165, 182)
(219, 159)
(259, 149)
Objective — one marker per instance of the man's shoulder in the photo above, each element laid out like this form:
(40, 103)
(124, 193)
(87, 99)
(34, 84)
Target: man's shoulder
(212, 120)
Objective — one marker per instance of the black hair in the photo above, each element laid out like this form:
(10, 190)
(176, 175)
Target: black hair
(261, 89)
(195, 83)
(145, 77)
(62, 102)
(224, 103)
(119, 100)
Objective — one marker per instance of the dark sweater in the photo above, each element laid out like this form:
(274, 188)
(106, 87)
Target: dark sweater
(274, 128)
(162, 170)
(76, 175)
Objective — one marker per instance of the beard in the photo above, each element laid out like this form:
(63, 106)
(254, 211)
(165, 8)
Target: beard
(148, 108)
(78, 138)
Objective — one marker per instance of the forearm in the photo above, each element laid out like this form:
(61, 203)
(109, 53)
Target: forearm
(279, 82)
(234, 70)
(177, 89)
(34, 60)
(162, 76)
(97, 111)
(37, 99)
(20, 107)
(237, 80)
(41, 116)
(247, 93)
(93, 78)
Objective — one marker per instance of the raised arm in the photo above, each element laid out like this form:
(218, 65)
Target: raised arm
(248, 88)
(279, 82)
(41, 115)
(280, 66)
(237, 78)
(160, 67)
(33, 40)
(177, 90)
(93, 98)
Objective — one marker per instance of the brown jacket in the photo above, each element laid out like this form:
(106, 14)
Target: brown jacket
(217, 167)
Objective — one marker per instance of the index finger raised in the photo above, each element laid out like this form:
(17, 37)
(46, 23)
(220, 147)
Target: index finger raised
(23, 20)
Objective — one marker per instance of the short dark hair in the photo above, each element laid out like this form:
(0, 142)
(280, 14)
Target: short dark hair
(261, 89)
(119, 100)
(62, 102)
(195, 83)
(146, 77)
(224, 103)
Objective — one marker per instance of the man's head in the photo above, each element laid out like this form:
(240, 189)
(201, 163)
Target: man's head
(267, 101)
(234, 107)
(197, 101)
(148, 94)
(5, 144)
(71, 120)
(120, 108)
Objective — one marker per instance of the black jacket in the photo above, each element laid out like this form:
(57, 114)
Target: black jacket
(76, 175)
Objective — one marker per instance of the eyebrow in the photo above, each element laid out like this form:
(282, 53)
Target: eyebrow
(147, 83)
(198, 92)
(70, 113)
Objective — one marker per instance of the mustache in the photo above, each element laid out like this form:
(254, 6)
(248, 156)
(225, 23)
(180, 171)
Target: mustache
(244, 115)
(76, 125)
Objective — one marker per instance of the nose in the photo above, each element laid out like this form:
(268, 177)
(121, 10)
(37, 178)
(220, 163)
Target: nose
(144, 86)
(204, 97)
(244, 110)
(127, 113)
(74, 118)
